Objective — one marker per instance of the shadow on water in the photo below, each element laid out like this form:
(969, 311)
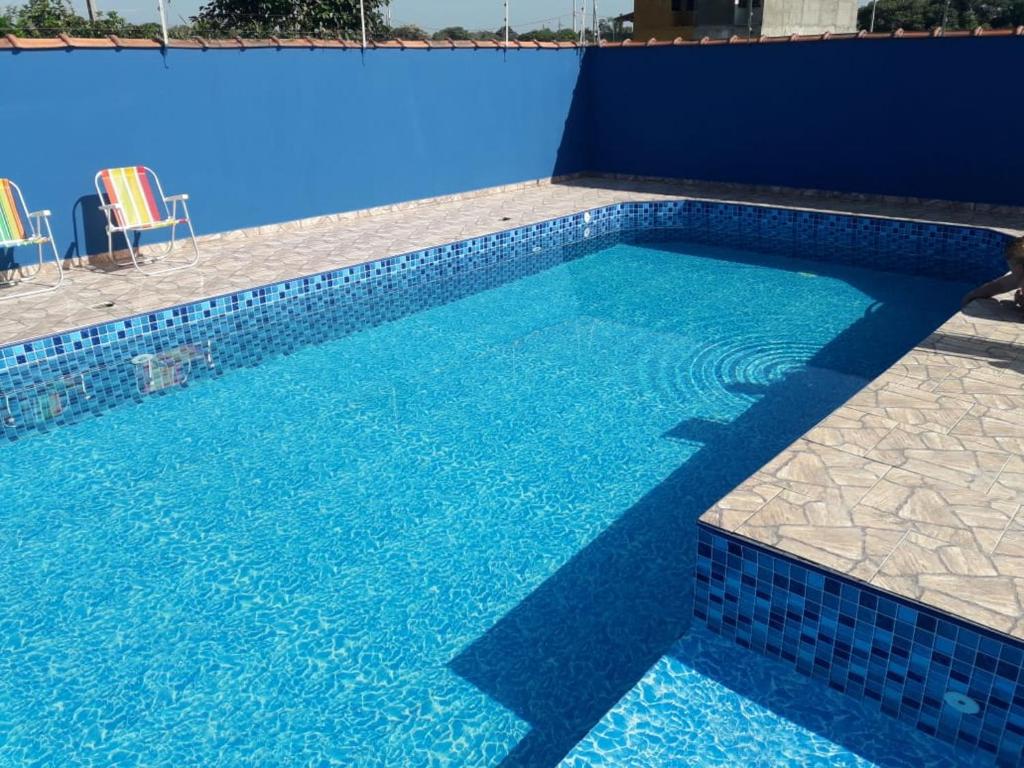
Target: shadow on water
(564, 655)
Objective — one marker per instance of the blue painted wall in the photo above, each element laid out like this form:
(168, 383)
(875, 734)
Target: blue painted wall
(262, 136)
(924, 118)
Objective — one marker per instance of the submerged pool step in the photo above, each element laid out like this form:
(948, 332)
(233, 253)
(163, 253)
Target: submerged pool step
(708, 702)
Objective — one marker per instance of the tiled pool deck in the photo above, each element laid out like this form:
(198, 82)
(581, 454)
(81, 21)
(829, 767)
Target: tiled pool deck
(913, 486)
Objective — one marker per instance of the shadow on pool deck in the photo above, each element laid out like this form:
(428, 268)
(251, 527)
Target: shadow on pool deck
(568, 652)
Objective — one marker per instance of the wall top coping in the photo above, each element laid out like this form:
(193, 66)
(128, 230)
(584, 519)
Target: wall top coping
(66, 42)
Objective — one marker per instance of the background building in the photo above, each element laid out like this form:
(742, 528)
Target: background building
(694, 19)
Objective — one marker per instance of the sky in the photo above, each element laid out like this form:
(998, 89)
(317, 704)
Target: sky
(429, 14)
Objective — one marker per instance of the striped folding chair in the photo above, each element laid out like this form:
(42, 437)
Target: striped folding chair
(13, 234)
(129, 199)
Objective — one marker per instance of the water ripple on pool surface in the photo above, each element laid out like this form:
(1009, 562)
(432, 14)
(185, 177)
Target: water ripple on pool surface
(730, 371)
(451, 539)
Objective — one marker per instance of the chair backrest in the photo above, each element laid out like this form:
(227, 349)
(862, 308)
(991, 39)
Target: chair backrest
(12, 228)
(132, 189)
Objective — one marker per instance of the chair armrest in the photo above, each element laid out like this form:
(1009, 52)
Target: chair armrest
(175, 198)
(111, 207)
(39, 214)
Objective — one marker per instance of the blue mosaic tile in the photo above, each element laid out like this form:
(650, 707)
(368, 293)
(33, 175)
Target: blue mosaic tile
(865, 643)
(56, 380)
(850, 240)
(726, 224)
(777, 231)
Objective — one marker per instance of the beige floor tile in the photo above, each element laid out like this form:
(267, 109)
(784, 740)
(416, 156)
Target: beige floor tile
(943, 511)
(960, 579)
(742, 502)
(912, 409)
(964, 461)
(826, 474)
(850, 430)
(854, 541)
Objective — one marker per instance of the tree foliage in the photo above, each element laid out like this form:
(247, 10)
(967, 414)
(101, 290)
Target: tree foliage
(409, 32)
(920, 15)
(542, 35)
(456, 33)
(261, 18)
(545, 35)
(47, 18)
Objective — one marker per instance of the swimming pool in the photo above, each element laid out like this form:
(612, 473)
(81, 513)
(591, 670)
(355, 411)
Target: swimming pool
(454, 536)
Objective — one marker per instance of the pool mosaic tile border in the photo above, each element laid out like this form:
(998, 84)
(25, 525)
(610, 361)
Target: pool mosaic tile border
(865, 643)
(59, 379)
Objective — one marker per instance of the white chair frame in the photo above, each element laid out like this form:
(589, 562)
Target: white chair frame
(170, 206)
(38, 221)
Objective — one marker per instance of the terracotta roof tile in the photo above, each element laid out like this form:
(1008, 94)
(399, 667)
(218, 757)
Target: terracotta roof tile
(66, 42)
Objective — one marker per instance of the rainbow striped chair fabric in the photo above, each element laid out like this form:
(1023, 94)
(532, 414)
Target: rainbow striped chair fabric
(134, 202)
(14, 234)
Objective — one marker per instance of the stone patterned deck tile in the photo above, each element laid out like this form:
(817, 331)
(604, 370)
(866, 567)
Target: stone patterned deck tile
(743, 501)
(825, 474)
(1005, 329)
(1010, 482)
(968, 462)
(1009, 552)
(959, 579)
(850, 430)
(970, 353)
(995, 425)
(943, 511)
(997, 313)
(854, 541)
(986, 388)
(925, 367)
(914, 410)
(918, 369)
(973, 352)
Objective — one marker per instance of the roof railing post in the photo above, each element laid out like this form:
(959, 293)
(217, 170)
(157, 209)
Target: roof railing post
(163, 20)
(362, 21)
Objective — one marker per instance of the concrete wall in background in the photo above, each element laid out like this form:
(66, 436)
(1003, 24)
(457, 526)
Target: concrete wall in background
(923, 118)
(808, 17)
(262, 135)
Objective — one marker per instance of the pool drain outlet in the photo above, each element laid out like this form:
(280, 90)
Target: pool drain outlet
(961, 702)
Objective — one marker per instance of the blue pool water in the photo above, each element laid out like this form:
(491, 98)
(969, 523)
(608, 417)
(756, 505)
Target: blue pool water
(705, 704)
(455, 539)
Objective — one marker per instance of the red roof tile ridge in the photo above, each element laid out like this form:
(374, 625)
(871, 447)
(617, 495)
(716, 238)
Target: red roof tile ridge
(67, 42)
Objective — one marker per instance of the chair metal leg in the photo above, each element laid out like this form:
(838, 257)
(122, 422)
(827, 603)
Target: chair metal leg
(134, 253)
(39, 268)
